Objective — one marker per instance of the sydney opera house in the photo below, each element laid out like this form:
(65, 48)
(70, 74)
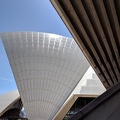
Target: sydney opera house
(53, 76)
(47, 68)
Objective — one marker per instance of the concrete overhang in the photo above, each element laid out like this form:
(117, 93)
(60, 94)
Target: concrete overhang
(95, 25)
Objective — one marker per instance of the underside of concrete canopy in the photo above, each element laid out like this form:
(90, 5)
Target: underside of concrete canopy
(95, 25)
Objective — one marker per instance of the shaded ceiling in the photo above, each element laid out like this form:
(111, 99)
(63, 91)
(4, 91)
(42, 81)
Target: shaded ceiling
(95, 25)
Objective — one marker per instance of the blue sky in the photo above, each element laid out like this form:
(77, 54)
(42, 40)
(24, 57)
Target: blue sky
(25, 15)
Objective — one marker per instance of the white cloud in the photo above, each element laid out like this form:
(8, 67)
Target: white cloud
(6, 79)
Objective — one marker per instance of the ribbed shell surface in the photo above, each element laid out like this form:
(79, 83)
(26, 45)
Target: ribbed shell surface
(46, 68)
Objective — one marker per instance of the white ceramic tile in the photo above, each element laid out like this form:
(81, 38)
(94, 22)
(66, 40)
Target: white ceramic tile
(46, 68)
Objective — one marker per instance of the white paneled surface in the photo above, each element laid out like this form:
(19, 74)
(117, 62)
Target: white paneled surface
(46, 68)
(7, 99)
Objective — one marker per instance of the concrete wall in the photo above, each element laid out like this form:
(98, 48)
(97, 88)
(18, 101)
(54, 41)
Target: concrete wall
(110, 110)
